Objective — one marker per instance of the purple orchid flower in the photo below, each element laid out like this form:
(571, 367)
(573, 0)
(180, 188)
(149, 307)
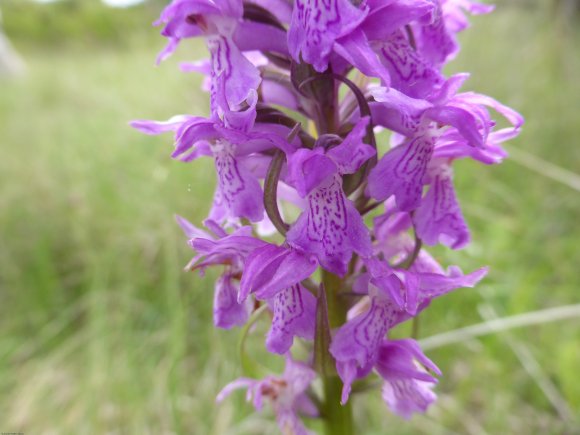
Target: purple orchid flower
(316, 26)
(225, 18)
(439, 217)
(469, 123)
(274, 273)
(401, 172)
(393, 297)
(339, 32)
(409, 72)
(355, 344)
(270, 269)
(394, 244)
(234, 144)
(436, 35)
(279, 119)
(330, 228)
(408, 385)
(238, 192)
(379, 36)
(320, 31)
(286, 393)
(233, 77)
(227, 311)
(229, 250)
(294, 311)
(465, 113)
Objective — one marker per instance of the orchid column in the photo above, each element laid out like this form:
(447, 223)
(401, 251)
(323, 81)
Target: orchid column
(297, 92)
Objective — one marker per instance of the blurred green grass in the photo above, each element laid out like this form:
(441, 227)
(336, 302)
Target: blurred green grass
(103, 333)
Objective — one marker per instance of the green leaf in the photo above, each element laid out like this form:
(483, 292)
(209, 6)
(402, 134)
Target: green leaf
(271, 190)
(323, 361)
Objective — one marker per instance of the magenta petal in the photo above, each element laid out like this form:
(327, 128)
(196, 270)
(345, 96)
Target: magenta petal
(193, 133)
(356, 49)
(439, 218)
(451, 145)
(271, 269)
(398, 287)
(233, 386)
(251, 35)
(352, 153)
(183, 8)
(177, 26)
(434, 41)
(298, 376)
(274, 92)
(158, 127)
(227, 312)
(234, 77)
(425, 263)
(433, 285)
(356, 342)
(448, 90)
(315, 26)
(397, 111)
(461, 119)
(348, 373)
(190, 230)
(285, 393)
(289, 422)
(385, 17)
(513, 117)
(397, 360)
(307, 169)
(230, 8)
(241, 120)
(401, 173)
(167, 50)
(392, 287)
(294, 315)
(391, 224)
(331, 228)
(407, 387)
(410, 73)
(218, 230)
(404, 397)
(219, 211)
(240, 190)
(477, 8)
(229, 250)
(200, 66)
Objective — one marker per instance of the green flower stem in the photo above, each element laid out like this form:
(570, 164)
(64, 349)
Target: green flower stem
(337, 418)
(337, 306)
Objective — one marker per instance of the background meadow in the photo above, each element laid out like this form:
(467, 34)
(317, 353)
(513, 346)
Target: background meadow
(102, 332)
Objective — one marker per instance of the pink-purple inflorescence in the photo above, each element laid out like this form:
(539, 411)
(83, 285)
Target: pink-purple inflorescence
(286, 140)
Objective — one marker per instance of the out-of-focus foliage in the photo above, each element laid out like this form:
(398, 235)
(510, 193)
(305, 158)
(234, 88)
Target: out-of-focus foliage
(81, 22)
(101, 332)
(567, 11)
